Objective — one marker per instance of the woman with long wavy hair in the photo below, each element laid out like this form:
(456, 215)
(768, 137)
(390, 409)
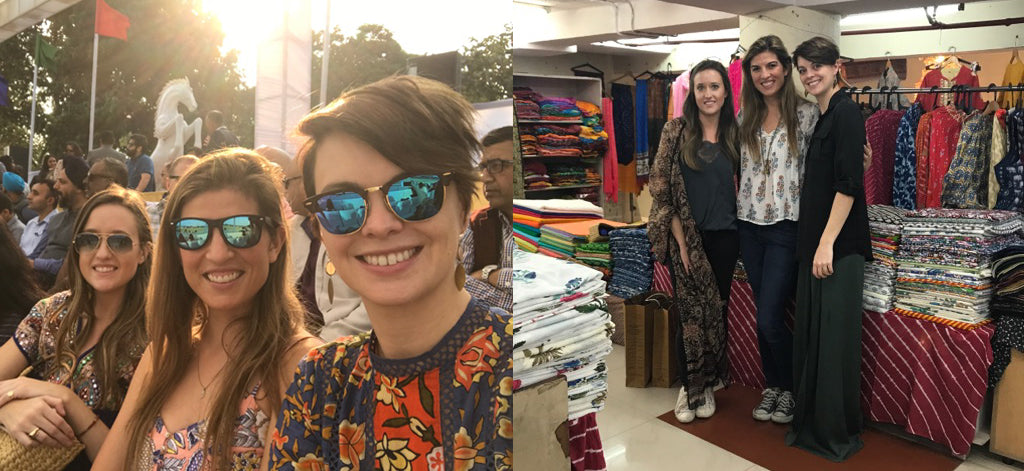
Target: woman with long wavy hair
(390, 167)
(83, 344)
(692, 229)
(224, 322)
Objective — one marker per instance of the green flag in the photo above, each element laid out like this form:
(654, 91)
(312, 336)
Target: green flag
(46, 53)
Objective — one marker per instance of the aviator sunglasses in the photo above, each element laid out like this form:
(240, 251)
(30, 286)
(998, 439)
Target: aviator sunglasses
(410, 198)
(90, 241)
(241, 231)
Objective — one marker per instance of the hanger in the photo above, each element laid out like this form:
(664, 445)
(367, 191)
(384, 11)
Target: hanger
(740, 50)
(888, 61)
(584, 67)
(625, 75)
(646, 72)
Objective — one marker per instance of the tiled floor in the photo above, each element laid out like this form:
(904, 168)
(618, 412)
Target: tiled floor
(634, 439)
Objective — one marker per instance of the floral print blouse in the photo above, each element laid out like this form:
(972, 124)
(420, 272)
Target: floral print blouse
(450, 408)
(183, 450)
(36, 338)
(771, 194)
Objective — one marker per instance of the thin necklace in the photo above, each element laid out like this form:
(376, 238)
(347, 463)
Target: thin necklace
(200, 379)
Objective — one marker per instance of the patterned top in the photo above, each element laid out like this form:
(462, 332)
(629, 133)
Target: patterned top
(756, 202)
(945, 132)
(881, 128)
(450, 408)
(1010, 171)
(889, 79)
(36, 337)
(924, 128)
(904, 192)
(183, 450)
(998, 152)
(966, 183)
(498, 296)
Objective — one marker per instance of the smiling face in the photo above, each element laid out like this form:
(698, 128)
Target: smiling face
(709, 92)
(227, 278)
(389, 261)
(818, 79)
(106, 271)
(768, 73)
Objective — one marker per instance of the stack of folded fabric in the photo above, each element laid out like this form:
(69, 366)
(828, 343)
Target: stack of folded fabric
(535, 175)
(886, 223)
(559, 109)
(593, 138)
(1007, 308)
(559, 145)
(561, 327)
(525, 103)
(632, 265)
(596, 255)
(944, 263)
(566, 175)
(559, 242)
(528, 216)
(528, 143)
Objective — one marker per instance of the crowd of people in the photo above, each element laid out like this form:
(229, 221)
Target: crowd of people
(779, 186)
(234, 322)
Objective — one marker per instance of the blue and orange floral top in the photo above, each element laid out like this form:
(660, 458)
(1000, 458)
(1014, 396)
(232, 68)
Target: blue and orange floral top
(450, 408)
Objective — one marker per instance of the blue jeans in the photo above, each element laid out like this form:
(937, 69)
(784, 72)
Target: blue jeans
(769, 256)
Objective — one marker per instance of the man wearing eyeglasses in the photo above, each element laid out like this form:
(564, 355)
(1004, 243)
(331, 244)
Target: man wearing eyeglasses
(486, 246)
(105, 172)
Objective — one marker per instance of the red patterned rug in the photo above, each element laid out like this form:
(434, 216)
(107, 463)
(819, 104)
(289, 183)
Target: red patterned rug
(733, 429)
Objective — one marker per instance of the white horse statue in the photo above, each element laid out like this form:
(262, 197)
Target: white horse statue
(171, 129)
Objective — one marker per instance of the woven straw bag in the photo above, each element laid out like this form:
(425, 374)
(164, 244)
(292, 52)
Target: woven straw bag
(40, 458)
(14, 455)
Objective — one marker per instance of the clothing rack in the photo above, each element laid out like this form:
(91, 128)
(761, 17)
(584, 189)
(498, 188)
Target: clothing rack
(953, 89)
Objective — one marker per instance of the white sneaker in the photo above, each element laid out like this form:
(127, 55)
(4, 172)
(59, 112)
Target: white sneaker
(684, 414)
(708, 408)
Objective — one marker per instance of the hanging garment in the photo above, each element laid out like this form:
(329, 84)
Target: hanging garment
(610, 162)
(736, 81)
(1010, 171)
(889, 79)
(924, 132)
(905, 160)
(998, 152)
(965, 185)
(680, 88)
(622, 98)
(1013, 75)
(945, 132)
(640, 154)
(881, 129)
(935, 78)
(657, 104)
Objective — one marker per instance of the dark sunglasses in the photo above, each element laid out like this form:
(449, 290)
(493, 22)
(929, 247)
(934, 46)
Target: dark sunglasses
(494, 166)
(90, 241)
(410, 198)
(241, 231)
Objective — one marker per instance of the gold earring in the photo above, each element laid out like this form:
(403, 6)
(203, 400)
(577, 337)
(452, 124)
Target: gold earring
(329, 268)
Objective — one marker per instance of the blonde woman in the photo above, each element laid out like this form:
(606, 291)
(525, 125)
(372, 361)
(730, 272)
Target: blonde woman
(224, 322)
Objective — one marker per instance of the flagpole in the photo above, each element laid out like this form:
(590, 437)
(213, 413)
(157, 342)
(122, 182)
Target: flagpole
(92, 95)
(32, 118)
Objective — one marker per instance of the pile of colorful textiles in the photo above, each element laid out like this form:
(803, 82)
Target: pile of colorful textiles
(558, 145)
(557, 242)
(566, 175)
(886, 223)
(561, 328)
(1007, 308)
(525, 103)
(596, 255)
(632, 264)
(580, 241)
(528, 216)
(944, 264)
(528, 143)
(593, 138)
(535, 175)
(559, 109)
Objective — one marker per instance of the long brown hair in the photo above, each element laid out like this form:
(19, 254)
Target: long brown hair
(125, 338)
(175, 310)
(755, 110)
(693, 133)
(18, 291)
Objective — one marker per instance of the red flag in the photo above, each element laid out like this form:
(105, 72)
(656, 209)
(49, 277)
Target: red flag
(110, 22)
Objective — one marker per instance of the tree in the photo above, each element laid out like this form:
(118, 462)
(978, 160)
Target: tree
(487, 67)
(370, 55)
(168, 39)
(16, 67)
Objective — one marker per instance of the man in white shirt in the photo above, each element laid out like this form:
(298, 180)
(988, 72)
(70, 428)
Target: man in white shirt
(42, 198)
